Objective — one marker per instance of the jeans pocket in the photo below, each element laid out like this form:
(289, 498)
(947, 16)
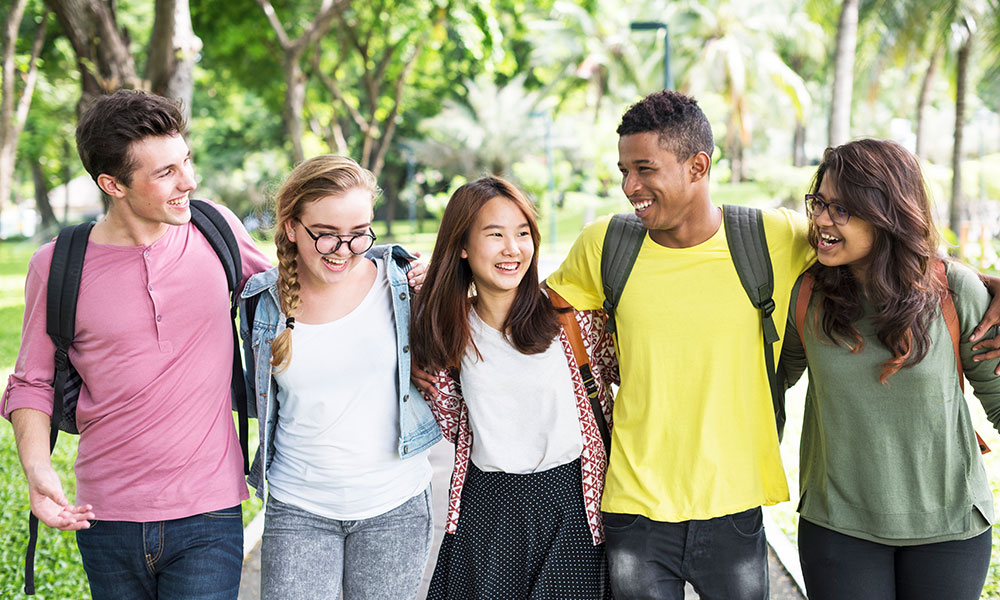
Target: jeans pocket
(619, 521)
(749, 523)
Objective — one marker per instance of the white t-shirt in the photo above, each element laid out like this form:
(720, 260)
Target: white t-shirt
(338, 417)
(522, 409)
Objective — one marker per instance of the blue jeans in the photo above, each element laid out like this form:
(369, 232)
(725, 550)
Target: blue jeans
(197, 558)
(305, 556)
(724, 558)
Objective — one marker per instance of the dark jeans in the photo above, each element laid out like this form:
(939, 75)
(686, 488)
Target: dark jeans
(196, 558)
(723, 558)
(838, 566)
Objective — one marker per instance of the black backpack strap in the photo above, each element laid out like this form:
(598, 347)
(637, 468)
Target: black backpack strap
(748, 249)
(60, 324)
(216, 229)
(622, 242)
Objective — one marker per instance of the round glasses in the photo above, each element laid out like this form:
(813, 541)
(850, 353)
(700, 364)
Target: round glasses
(328, 243)
(815, 205)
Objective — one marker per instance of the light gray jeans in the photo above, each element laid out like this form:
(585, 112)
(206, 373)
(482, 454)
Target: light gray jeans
(305, 556)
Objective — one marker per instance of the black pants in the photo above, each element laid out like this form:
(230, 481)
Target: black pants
(840, 567)
(724, 558)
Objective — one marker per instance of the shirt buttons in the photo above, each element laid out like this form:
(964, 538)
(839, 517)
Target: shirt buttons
(402, 296)
(145, 253)
(406, 349)
(150, 287)
(159, 318)
(406, 397)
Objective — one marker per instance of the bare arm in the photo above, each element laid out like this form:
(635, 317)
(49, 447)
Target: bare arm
(48, 502)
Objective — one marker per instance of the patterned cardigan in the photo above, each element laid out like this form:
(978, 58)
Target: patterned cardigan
(453, 417)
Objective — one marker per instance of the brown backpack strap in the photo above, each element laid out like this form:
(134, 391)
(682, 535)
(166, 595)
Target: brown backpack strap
(951, 320)
(568, 320)
(801, 304)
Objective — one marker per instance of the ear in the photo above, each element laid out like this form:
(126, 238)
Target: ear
(700, 165)
(465, 254)
(111, 186)
(289, 230)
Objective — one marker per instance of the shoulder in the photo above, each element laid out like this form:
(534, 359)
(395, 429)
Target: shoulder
(594, 232)
(261, 282)
(965, 282)
(785, 223)
(225, 211)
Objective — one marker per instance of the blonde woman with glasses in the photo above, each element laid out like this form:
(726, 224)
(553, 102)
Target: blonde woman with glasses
(342, 434)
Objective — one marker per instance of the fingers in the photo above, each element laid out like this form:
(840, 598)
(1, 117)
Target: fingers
(423, 380)
(988, 350)
(416, 274)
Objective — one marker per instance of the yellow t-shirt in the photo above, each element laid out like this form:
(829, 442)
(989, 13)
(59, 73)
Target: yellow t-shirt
(694, 434)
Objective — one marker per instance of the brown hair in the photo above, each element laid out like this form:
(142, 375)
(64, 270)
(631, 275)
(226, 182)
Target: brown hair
(439, 333)
(880, 182)
(111, 124)
(312, 180)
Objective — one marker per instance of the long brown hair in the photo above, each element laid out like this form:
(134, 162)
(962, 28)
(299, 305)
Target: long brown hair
(439, 333)
(880, 182)
(311, 180)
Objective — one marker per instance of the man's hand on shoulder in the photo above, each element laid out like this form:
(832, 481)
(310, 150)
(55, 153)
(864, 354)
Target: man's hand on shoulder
(417, 273)
(988, 349)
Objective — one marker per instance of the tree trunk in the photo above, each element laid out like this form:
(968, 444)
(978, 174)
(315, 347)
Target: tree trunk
(799, 145)
(923, 99)
(843, 75)
(173, 47)
(102, 50)
(14, 107)
(42, 205)
(956, 212)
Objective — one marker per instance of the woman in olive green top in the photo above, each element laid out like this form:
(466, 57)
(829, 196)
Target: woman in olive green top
(894, 497)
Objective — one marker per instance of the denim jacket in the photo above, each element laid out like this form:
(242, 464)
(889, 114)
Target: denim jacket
(417, 427)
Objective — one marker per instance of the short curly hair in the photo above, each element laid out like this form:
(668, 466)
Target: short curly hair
(678, 121)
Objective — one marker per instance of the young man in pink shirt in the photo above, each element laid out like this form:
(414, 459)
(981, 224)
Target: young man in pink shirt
(159, 468)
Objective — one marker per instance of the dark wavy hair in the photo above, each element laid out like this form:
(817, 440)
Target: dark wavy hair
(439, 331)
(678, 121)
(880, 182)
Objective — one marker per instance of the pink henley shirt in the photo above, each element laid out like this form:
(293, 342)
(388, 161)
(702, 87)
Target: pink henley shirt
(154, 347)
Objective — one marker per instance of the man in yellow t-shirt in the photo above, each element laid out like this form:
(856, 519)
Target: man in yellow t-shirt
(694, 445)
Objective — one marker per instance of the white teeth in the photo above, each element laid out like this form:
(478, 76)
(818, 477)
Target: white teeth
(508, 266)
(334, 261)
(829, 238)
(642, 205)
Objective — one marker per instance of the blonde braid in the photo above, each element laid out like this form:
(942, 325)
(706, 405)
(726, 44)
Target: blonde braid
(288, 293)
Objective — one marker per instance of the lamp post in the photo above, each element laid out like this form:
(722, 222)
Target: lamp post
(668, 80)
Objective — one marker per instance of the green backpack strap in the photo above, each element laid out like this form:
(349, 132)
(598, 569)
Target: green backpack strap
(621, 246)
(748, 249)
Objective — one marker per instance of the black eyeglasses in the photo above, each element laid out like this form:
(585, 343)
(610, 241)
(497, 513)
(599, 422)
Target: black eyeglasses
(328, 243)
(815, 205)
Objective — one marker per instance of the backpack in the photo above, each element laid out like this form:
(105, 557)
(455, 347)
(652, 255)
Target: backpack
(748, 249)
(63, 289)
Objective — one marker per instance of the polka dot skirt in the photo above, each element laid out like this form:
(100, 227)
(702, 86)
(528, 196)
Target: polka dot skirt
(521, 537)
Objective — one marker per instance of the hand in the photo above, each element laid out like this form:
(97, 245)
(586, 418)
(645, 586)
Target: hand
(50, 504)
(423, 380)
(989, 349)
(417, 273)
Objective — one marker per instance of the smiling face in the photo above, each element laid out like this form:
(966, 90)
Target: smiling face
(659, 186)
(499, 247)
(161, 183)
(838, 245)
(342, 214)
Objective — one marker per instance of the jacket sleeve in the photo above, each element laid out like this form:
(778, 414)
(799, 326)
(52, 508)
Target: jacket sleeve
(446, 404)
